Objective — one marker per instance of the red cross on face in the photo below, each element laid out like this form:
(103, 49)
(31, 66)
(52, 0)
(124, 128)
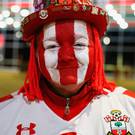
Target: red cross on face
(24, 129)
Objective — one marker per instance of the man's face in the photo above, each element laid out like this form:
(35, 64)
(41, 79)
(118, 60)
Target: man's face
(64, 55)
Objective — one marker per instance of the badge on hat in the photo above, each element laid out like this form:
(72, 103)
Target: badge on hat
(43, 14)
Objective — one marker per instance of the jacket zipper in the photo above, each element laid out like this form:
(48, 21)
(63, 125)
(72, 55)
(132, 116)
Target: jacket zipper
(67, 107)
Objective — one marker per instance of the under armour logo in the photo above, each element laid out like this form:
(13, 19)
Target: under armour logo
(29, 129)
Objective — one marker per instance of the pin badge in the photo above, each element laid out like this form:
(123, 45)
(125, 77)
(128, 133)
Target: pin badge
(76, 7)
(43, 14)
(94, 10)
(84, 7)
(102, 12)
(67, 7)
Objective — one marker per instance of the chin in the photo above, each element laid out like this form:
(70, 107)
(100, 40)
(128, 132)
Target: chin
(68, 89)
(72, 85)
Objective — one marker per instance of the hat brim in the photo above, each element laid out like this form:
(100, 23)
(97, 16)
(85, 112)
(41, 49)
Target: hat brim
(89, 13)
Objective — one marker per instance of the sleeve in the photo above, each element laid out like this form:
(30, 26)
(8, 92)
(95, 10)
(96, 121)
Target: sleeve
(4, 101)
(5, 98)
(128, 96)
(129, 93)
(130, 100)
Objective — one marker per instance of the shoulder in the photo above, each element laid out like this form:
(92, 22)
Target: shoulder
(4, 101)
(10, 108)
(15, 101)
(129, 93)
(121, 97)
(125, 92)
(6, 98)
(10, 100)
(121, 91)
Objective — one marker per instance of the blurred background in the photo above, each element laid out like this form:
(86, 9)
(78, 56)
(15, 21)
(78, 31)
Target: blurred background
(118, 43)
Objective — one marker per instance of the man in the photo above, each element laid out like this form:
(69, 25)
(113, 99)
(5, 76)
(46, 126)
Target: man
(65, 90)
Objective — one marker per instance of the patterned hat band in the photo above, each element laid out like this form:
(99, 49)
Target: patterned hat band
(48, 11)
(40, 4)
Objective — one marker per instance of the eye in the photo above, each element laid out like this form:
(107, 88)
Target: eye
(52, 47)
(80, 46)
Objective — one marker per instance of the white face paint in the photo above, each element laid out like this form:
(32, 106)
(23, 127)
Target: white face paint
(51, 52)
(81, 53)
(80, 46)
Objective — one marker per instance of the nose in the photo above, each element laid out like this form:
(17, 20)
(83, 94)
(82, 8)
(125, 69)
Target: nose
(67, 57)
(66, 53)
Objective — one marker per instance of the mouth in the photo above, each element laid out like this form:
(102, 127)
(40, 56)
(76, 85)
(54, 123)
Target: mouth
(61, 67)
(67, 67)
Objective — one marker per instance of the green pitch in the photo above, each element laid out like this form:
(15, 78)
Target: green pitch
(11, 81)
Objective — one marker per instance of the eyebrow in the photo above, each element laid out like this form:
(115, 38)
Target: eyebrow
(78, 36)
(50, 39)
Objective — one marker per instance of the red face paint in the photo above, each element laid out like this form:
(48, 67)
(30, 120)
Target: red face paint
(67, 62)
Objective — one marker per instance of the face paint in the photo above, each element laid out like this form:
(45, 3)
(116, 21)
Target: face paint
(81, 48)
(67, 62)
(66, 52)
(51, 52)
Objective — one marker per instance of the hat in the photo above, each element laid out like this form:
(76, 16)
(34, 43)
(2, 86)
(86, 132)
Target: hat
(47, 11)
